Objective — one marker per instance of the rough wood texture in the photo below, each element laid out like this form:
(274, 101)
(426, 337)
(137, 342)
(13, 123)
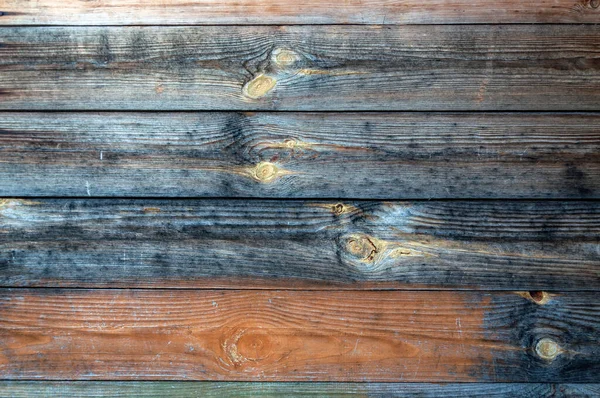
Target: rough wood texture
(443, 67)
(298, 335)
(173, 12)
(23, 389)
(266, 244)
(297, 155)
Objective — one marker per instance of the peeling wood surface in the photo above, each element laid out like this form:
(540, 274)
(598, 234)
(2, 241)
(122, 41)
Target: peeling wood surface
(433, 67)
(210, 12)
(502, 245)
(50, 389)
(296, 335)
(295, 155)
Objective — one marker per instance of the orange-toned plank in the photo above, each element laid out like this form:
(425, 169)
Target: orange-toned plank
(295, 336)
(111, 12)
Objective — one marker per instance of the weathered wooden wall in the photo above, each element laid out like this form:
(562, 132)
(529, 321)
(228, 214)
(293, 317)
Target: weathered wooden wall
(375, 196)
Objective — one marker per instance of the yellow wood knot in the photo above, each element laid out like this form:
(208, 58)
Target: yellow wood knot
(290, 143)
(265, 172)
(547, 349)
(363, 247)
(283, 57)
(259, 86)
(537, 297)
(338, 209)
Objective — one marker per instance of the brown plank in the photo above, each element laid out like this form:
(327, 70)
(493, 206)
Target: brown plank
(51, 389)
(298, 336)
(174, 12)
(297, 244)
(299, 155)
(441, 67)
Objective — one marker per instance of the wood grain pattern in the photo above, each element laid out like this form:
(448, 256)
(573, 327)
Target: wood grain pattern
(297, 335)
(24, 389)
(300, 155)
(297, 244)
(173, 12)
(437, 67)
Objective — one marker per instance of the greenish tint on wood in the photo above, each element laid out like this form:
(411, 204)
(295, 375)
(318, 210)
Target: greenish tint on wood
(25, 389)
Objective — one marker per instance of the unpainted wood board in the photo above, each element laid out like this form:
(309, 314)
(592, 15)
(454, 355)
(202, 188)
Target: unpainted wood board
(301, 155)
(51, 389)
(264, 244)
(211, 12)
(255, 335)
(418, 67)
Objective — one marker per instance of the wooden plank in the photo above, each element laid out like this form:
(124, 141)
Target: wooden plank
(297, 155)
(211, 12)
(23, 389)
(385, 336)
(443, 67)
(298, 244)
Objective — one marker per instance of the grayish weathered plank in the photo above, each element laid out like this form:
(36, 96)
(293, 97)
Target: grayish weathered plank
(292, 244)
(297, 155)
(444, 67)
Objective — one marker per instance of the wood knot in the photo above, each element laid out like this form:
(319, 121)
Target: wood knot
(290, 143)
(285, 58)
(247, 346)
(338, 209)
(537, 297)
(594, 4)
(363, 247)
(259, 86)
(265, 172)
(547, 349)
